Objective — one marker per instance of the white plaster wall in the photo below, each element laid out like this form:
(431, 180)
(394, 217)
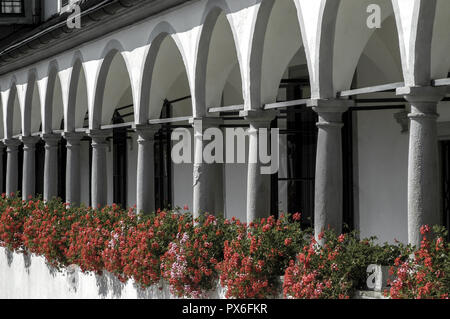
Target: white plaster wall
(30, 277)
(382, 170)
(235, 181)
(443, 110)
(182, 180)
(236, 191)
(182, 185)
(50, 7)
(440, 59)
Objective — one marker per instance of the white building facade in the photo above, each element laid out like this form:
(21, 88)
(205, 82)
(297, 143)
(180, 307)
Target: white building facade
(87, 114)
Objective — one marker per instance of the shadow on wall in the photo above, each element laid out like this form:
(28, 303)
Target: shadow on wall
(9, 257)
(27, 261)
(108, 282)
(52, 270)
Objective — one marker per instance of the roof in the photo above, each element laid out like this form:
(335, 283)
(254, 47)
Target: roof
(53, 36)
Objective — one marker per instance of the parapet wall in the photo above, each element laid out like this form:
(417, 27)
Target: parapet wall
(28, 276)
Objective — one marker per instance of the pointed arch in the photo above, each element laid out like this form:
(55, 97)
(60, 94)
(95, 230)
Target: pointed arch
(32, 108)
(415, 21)
(77, 101)
(217, 55)
(380, 61)
(52, 109)
(276, 26)
(341, 39)
(13, 113)
(112, 59)
(165, 63)
(163, 37)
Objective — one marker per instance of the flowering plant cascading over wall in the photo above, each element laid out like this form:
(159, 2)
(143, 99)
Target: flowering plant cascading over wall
(192, 256)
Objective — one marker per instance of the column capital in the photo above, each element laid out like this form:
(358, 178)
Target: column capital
(99, 137)
(259, 118)
(99, 133)
(330, 105)
(422, 94)
(206, 122)
(50, 139)
(73, 136)
(29, 142)
(146, 132)
(330, 111)
(12, 144)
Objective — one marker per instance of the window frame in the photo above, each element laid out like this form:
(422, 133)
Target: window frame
(11, 15)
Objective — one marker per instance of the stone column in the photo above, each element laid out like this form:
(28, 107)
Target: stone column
(99, 186)
(2, 148)
(207, 185)
(29, 166)
(258, 184)
(51, 165)
(12, 167)
(73, 174)
(328, 199)
(423, 180)
(145, 188)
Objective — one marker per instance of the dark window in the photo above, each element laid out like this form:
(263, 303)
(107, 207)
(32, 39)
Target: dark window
(301, 131)
(12, 7)
(347, 171)
(62, 161)
(5, 160)
(119, 162)
(163, 162)
(88, 138)
(64, 3)
(39, 164)
(445, 173)
(20, 168)
(301, 161)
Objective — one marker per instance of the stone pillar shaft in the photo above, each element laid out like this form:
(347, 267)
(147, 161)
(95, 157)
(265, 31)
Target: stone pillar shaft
(423, 179)
(99, 190)
(29, 166)
(207, 185)
(12, 169)
(73, 174)
(145, 188)
(258, 184)
(328, 198)
(51, 166)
